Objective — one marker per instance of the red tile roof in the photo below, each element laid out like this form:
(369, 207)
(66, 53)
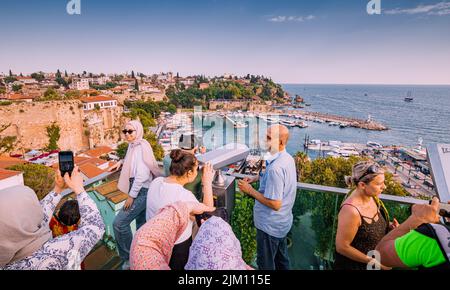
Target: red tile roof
(8, 173)
(6, 161)
(99, 151)
(97, 99)
(90, 170)
(20, 97)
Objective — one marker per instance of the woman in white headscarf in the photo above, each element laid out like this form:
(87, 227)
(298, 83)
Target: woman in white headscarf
(139, 169)
(26, 241)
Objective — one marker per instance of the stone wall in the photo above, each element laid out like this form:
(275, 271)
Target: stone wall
(79, 130)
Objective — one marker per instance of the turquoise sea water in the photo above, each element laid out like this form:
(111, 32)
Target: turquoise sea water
(427, 117)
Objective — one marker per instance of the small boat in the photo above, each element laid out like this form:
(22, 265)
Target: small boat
(409, 97)
(239, 125)
(301, 124)
(287, 123)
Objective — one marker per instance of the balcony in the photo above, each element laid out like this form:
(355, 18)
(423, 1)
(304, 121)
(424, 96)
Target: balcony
(311, 240)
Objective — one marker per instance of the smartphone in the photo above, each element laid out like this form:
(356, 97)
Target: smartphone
(66, 163)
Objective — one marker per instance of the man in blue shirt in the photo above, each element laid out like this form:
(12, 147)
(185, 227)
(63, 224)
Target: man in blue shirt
(274, 201)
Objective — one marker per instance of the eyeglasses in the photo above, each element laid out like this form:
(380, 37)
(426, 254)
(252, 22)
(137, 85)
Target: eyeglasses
(373, 169)
(128, 132)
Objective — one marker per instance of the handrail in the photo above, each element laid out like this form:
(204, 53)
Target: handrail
(344, 191)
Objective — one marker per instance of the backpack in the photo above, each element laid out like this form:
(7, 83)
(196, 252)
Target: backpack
(440, 233)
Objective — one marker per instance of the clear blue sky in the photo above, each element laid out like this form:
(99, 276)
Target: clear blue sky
(293, 41)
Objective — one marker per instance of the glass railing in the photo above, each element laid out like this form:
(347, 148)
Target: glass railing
(312, 237)
(311, 241)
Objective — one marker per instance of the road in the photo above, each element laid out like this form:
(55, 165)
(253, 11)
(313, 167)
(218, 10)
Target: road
(405, 174)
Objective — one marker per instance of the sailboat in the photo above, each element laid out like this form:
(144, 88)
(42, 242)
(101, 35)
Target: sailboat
(408, 97)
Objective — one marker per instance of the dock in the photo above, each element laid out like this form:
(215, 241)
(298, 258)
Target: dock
(367, 124)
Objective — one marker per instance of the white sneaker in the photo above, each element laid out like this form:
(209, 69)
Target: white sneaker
(126, 265)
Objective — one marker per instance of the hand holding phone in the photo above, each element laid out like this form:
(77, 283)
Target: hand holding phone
(66, 162)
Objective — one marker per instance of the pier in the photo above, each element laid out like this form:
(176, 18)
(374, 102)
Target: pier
(339, 120)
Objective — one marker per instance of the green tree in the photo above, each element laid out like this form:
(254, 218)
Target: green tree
(144, 117)
(132, 74)
(158, 151)
(38, 177)
(38, 76)
(65, 74)
(136, 85)
(53, 133)
(50, 95)
(58, 74)
(16, 87)
(6, 142)
(10, 79)
(122, 150)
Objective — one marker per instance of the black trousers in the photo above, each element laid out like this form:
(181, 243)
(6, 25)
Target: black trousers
(180, 255)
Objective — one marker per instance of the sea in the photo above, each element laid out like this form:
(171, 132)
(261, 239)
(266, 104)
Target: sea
(425, 120)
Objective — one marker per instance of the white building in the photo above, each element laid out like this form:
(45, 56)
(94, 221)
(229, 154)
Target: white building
(80, 84)
(101, 80)
(27, 80)
(9, 178)
(148, 88)
(101, 102)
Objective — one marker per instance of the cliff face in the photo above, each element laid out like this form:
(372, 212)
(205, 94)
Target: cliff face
(78, 129)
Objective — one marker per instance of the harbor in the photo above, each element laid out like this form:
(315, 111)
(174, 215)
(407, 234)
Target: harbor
(406, 163)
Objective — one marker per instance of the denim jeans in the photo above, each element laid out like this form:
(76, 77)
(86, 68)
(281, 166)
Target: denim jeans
(121, 225)
(272, 253)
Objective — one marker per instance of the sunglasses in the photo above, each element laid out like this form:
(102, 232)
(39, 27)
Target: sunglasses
(128, 132)
(373, 169)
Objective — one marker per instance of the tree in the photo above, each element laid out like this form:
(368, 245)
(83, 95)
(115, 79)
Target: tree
(10, 73)
(132, 74)
(38, 76)
(122, 150)
(158, 151)
(16, 87)
(136, 85)
(38, 177)
(58, 74)
(50, 95)
(7, 142)
(62, 82)
(65, 74)
(53, 133)
(10, 79)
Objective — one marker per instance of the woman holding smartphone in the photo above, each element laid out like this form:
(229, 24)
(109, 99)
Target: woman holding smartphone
(139, 169)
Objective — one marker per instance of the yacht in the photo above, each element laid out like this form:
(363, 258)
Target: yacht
(287, 123)
(240, 124)
(409, 97)
(301, 124)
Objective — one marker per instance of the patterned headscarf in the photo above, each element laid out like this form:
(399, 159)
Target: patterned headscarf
(215, 248)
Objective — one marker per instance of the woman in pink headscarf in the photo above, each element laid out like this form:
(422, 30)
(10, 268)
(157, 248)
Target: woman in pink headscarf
(139, 169)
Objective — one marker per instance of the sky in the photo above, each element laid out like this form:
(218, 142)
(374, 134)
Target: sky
(291, 41)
